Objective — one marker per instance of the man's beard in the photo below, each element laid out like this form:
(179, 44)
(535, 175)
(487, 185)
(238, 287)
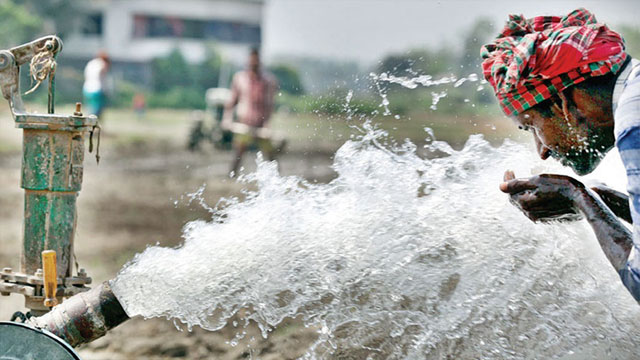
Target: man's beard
(584, 160)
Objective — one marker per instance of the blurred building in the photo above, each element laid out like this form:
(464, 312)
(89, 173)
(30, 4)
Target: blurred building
(134, 32)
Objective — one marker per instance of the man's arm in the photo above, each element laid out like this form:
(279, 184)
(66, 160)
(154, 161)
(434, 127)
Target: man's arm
(615, 200)
(551, 197)
(615, 239)
(227, 117)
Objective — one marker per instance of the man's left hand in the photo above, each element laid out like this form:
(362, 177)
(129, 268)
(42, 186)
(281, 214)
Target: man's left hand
(544, 197)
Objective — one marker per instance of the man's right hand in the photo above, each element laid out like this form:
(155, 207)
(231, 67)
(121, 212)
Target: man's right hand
(552, 197)
(544, 197)
(227, 120)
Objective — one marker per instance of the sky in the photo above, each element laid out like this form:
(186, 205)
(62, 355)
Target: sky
(366, 30)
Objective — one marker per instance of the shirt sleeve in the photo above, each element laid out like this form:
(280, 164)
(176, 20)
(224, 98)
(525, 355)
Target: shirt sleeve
(628, 143)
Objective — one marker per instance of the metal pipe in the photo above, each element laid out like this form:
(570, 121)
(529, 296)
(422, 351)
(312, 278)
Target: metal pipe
(84, 317)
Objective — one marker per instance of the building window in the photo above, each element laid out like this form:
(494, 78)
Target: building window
(172, 27)
(92, 24)
(228, 31)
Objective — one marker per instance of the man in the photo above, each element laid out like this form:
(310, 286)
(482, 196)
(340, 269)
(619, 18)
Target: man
(95, 73)
(569, 81)
(252, 92)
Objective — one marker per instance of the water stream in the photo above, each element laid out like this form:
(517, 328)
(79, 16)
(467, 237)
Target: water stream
(398, 257)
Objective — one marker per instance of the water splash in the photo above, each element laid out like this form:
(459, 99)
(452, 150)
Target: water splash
(383, 95)
(435, 99)
(423, 80)
(420, 80)
(398, 257)
(347, 105)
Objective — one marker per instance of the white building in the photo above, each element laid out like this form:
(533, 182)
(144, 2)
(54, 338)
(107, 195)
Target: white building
(133, 32)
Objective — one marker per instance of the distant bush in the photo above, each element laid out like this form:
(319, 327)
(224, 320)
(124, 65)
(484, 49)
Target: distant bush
(288, 79)
(178, 84)
(170, 72)
(123, 94)
(332, 103)
(19, 25)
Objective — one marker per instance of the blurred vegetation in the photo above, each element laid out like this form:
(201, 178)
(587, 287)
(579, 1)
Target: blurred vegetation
(470, 97)
(58, 15)
(288, 79)
(178, 84)
(18, 25)
(418, 61)
(321, 75)
(307, 85)
(331, 103)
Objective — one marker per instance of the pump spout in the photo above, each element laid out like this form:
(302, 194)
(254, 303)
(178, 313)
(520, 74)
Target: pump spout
(84, 317)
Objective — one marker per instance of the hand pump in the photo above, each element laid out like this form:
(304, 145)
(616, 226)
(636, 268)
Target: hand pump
(52, 167)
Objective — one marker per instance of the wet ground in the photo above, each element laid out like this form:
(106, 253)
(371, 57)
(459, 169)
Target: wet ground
(136, 196)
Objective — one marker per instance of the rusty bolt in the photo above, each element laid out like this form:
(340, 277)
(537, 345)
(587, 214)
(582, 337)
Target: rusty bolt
(78, 111)
(7, 270)
(38, 273)
(82, 273)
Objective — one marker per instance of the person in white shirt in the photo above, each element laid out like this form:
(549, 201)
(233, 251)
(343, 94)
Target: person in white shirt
(93, 90)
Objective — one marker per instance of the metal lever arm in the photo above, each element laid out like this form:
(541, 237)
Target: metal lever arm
(12, 59)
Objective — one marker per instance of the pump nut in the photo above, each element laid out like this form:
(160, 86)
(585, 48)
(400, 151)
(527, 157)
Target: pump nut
(78, 111)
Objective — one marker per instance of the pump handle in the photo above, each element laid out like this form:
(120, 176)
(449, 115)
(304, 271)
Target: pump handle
(50, 275)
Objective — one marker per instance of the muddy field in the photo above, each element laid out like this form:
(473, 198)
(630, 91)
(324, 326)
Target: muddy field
(136, 197)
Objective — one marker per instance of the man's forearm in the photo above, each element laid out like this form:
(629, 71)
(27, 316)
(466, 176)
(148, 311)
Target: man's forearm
(616, 201)
(614, 238)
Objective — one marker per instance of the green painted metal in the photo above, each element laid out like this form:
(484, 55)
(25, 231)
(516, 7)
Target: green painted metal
(51, 177)
(52, 167)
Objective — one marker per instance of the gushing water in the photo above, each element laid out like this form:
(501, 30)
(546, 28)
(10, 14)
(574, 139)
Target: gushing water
(398, 257)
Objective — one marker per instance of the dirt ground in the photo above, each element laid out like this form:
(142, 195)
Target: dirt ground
(128, 201)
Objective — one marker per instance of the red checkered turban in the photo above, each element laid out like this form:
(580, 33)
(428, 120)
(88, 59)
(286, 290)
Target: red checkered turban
(533, 59)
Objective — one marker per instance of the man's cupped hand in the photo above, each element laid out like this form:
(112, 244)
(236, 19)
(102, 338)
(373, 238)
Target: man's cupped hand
(545, 197)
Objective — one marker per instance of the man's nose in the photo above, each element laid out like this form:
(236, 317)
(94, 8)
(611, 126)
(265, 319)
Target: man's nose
(543, 151)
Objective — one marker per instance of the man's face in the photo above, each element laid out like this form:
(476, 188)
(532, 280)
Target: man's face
(575, 142)
(254, 62)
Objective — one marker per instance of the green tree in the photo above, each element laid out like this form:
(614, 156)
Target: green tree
(288, 79)
(60, 13)
(208, 71)
(171, 71)
(18, 25)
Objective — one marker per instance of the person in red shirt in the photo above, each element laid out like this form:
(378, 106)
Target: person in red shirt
(252, 96)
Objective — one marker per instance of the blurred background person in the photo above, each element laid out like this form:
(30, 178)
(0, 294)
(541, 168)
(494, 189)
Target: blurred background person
(139, 104)
(252, 96)
(94, 88)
